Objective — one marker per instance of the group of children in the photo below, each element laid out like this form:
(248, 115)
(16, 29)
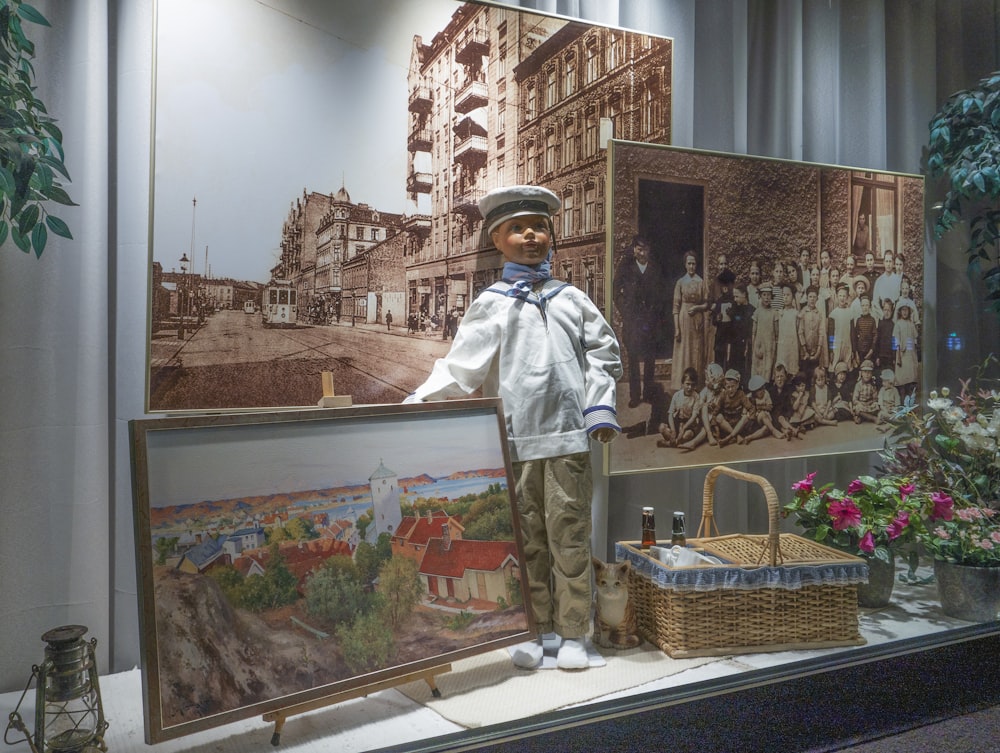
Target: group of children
(724, 413)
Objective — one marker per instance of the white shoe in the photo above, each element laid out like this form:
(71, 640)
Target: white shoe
(527, 655)
(572, 655)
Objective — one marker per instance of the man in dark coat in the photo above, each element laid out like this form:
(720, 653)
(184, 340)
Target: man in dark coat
(639, 299)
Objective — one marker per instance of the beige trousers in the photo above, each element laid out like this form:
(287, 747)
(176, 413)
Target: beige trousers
(553, 501)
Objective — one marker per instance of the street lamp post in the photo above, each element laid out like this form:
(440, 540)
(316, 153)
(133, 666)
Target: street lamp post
(182, 295)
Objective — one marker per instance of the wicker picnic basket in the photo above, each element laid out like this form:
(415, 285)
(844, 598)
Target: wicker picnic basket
(772, 592)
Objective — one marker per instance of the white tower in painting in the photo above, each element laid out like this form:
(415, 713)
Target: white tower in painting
(385, 499)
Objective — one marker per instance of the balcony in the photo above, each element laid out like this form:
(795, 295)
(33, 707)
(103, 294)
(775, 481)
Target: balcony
(417, 224)
(421, 99)
(466, 201)
(417, 182)
(470, 151)
(471, 46)
(473, 95)
(420, 140)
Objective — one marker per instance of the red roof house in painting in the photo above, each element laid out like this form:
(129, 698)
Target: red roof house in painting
(473, 575)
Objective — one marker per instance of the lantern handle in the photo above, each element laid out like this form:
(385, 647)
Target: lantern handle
(16, 722)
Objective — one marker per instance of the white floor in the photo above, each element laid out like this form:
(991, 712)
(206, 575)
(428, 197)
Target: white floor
(389, 718)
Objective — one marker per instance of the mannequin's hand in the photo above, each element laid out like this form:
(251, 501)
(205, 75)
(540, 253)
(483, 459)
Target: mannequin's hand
(604, 434)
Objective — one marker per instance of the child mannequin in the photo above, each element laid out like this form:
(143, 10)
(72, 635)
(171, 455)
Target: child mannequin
(543, 347)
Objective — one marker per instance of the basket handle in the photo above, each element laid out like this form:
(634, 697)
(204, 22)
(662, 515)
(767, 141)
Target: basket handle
(708, 526)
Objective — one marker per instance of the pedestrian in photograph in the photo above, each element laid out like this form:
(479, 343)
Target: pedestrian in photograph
(388, 321)
(682, 415)
(734, 410)
(722, 318)
(689, 307)
(638, 298)
(761, 423)
(842, 393)
(839, 329)
(764, 336)
(904, 337)
(544, 348)
(864, 401)
(787, 351)
(888, 401)
(864, 333)
(741, 330)
(811, 334)
(821, 397)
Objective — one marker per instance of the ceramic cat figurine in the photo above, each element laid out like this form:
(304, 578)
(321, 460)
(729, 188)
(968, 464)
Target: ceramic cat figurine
(615, 622)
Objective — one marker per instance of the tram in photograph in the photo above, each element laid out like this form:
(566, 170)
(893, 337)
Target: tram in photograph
(278, 306)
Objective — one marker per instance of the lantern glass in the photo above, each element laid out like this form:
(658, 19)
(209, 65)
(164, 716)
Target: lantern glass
(68, 711)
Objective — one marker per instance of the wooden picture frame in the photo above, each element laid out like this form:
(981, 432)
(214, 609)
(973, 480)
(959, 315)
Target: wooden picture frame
(316, 173)
(284, 557)
(735, 212)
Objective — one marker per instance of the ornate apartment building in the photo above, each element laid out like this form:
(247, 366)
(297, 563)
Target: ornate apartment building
(498, 97)
(501, 97)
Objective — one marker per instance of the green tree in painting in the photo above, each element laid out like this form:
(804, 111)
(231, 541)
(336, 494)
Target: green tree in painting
(164, 548)
(399, 585)
(31, 152)
(366, 644)
(335, 593)
(275, 588)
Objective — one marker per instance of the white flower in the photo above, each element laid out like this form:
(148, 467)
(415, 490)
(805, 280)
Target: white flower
(945, 392)
(937, 403)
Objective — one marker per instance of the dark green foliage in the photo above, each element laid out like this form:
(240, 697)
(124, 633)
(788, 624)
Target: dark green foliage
(31, 152)
(965, 150)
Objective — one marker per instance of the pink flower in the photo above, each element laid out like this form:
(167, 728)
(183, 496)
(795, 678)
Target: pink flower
(905, 490)
(867, 543)
(855, 486)
(985, 544)
(806, 484)
(844, 513)
(944, 506)
(941, 533)
(995, 536)
(896, 527)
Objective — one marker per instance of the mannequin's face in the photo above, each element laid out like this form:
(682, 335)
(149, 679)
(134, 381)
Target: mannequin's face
(523, 240)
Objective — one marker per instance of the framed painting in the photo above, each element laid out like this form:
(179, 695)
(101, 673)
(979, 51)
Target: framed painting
(287, 556)
(766, 308)
(339, 230)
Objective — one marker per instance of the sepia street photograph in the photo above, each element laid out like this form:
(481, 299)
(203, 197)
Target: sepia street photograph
(315, 194)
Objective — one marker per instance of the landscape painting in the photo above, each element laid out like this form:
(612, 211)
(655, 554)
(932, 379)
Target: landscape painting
(287, 556)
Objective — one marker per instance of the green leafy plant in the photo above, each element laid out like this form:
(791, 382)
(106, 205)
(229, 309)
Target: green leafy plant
(965, 535)
(965, 150)
(31, 151)
(871, 517)
(951, 444)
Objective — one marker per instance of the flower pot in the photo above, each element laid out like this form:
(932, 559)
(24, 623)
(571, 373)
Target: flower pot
(968, 593)
(881, 578)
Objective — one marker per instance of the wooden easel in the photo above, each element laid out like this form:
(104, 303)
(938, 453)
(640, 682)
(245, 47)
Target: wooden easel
(330, 398)
(279, 716)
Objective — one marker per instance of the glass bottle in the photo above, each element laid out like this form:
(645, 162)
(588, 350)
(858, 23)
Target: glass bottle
(648, 528)
(678, 537)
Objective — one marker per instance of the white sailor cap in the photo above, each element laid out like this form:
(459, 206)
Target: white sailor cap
(516, 201)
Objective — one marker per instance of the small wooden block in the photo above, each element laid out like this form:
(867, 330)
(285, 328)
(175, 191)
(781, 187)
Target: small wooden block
(328, 384)
(335, 401)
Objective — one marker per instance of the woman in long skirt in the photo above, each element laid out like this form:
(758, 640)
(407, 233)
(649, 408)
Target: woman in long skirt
(690, 305)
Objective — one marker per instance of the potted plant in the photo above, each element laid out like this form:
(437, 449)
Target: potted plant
(965, 543)
(870, 518)
(964, 149)
(950, 447)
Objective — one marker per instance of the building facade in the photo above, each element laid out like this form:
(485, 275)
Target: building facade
(501, 97)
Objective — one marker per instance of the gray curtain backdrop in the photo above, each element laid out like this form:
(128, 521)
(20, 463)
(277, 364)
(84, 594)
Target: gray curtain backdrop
(847, 82)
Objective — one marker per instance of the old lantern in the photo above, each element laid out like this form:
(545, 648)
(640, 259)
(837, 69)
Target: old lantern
(69, 717)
